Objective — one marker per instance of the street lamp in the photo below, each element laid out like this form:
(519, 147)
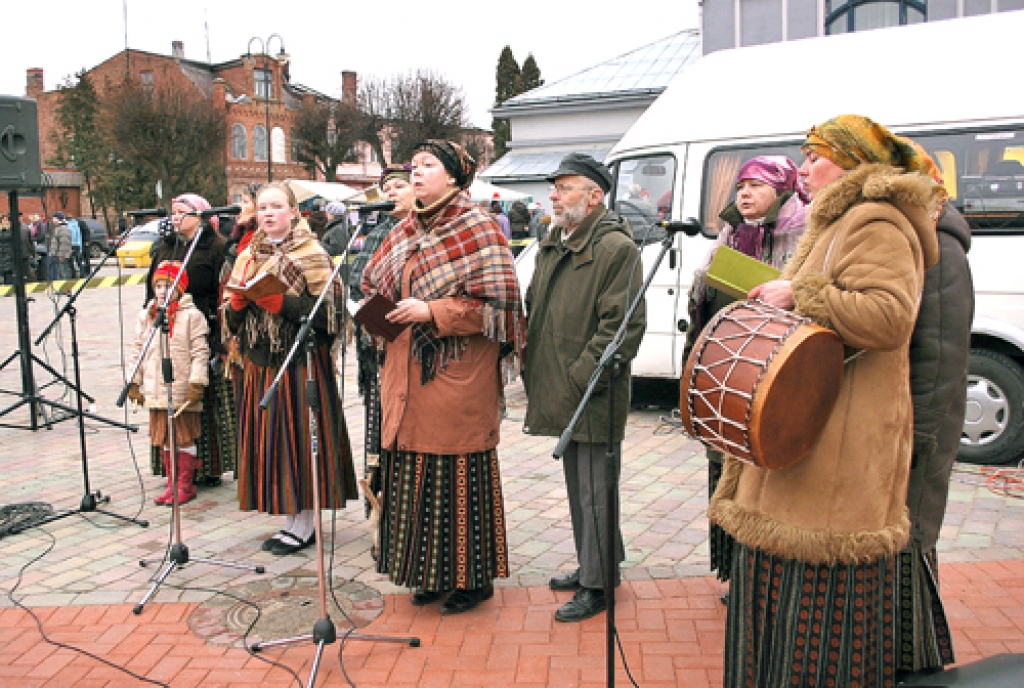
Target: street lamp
(269, 85)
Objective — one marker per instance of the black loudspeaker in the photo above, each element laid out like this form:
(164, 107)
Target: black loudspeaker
(20, 169)
(998, 671)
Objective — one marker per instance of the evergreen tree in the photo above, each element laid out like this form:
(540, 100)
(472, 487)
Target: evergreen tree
(531, 78)
(508, 85)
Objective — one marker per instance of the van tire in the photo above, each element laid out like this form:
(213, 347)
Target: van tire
(993, 431)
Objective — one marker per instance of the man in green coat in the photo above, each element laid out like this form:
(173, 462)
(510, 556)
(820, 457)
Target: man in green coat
(587, 273)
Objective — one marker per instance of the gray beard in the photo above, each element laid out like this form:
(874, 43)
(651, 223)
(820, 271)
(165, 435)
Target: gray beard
(570, 218)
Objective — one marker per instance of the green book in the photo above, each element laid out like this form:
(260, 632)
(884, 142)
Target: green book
(735, 273)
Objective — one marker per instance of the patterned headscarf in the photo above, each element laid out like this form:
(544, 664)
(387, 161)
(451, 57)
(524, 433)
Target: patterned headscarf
(852, 140)
(458, 163)
(777, 171)
(196, 203)
(402, 171)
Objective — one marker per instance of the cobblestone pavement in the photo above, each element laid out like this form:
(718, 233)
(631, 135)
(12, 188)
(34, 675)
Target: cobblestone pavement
(92, 560)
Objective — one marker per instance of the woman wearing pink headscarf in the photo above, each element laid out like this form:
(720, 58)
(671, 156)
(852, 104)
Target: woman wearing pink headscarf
(217, 444)
(765, 222)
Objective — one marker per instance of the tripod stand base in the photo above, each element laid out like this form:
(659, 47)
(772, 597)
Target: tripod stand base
(88, 506)
(178, 557)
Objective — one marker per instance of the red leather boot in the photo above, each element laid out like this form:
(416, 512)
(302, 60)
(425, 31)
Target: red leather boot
(187, 464)
(168, 494)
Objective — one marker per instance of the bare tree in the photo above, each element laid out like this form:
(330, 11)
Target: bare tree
(409, 108)
(168, 135)
(325, 134)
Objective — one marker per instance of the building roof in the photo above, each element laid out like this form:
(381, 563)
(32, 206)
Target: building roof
(523, 166)
(646, 70)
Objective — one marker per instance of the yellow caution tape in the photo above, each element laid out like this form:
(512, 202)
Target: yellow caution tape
(70, 285)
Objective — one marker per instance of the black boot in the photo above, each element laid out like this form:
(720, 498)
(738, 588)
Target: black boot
(464, 600)
(421, 597)
(568, 581)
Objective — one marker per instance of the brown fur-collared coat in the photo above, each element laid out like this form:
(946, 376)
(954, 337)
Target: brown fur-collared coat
(859, 271)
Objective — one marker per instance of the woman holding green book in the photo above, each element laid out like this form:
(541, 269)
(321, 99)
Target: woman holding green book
(765, 222)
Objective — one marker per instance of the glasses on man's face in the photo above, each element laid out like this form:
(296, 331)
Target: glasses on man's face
(562, 189)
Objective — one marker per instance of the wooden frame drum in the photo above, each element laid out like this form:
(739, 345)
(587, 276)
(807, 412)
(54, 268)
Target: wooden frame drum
(760, 384)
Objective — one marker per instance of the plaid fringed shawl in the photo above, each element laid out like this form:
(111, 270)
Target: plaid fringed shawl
(302, 264)
(459, 252)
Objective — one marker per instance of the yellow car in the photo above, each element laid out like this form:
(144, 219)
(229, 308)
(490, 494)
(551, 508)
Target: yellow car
(134, 253)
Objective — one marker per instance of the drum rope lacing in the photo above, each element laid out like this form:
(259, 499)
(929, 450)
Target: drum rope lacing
(705, 429)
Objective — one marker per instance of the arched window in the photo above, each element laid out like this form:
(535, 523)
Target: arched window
(845, 16)
(239, 142)
(277, 145)
(296, 146)
(259, 142)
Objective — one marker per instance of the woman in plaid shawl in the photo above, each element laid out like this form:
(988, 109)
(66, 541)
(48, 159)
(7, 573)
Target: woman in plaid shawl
(274, 445)
(450, 272)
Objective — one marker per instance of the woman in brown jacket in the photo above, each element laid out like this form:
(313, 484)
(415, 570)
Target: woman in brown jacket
(450, 272)
(812, 596)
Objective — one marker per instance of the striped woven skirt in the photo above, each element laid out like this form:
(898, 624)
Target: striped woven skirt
(721, 543)
(217, 441)
(274, 445)
(923, 638)
(796, 624)
(442, 523)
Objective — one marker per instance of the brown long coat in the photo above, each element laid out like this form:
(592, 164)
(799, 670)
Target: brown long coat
(846, 501)
(458, 411)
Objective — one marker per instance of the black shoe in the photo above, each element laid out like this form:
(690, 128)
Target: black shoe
(568, 581)
(421, 598)
(587, 602)
(464, 600)
(290, 544)
(210, 481)
(271, 541)
(725, 599)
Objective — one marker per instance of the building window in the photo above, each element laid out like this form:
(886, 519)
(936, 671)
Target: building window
(846, 16)
(296, 147)
(264, 83)
(259, 142)
(277, 145)
(239, 142)
(146, 78)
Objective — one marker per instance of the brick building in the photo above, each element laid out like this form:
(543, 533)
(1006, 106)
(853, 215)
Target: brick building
(245, 90)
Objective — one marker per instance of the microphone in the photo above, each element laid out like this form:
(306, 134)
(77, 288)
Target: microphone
(226, 210)
(159, 212)
(385, 206)
(690, 226)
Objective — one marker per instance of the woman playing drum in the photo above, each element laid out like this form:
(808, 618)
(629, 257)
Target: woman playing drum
(812, 589)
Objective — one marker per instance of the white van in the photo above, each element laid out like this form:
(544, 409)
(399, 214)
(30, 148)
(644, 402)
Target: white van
(953, 86)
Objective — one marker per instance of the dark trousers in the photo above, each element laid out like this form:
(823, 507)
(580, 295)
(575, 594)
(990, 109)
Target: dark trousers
(584, 469)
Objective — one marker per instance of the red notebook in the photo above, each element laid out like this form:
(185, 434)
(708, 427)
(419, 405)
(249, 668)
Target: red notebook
(371, 315)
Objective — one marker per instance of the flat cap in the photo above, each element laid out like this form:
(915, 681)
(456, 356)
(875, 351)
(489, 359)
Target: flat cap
(586, 166)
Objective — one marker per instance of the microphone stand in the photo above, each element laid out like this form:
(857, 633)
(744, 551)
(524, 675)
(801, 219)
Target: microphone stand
(611, 360)
(179, 554)
(324, 632)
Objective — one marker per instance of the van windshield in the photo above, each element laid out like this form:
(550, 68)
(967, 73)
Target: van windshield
(643, 194)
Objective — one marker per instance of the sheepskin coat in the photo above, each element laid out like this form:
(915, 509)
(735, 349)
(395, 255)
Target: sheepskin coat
(858, 270)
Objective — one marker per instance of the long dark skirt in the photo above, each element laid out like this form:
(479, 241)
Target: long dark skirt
(721, 542)
(923, 638)
(442, 523)
(274, 445)
(217, 441)
(796, 624)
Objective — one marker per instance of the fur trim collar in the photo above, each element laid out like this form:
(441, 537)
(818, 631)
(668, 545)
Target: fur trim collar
(915, 195)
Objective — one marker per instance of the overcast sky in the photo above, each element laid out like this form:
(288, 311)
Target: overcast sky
(458, 39)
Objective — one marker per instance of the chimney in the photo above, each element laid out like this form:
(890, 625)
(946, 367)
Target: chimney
(178, 50)
(349, 87)
(33, 82)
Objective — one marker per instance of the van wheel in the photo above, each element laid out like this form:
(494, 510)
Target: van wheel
(95, 251)
(993, 431)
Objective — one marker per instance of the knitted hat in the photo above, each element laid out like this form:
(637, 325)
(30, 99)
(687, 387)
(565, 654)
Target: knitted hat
(196, 203)
(457, 162)
(169, 270)
(395, 171)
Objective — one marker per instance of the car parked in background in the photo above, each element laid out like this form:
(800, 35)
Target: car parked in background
(135, 252)
(98, 244)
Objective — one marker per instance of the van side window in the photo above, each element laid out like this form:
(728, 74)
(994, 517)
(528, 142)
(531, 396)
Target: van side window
(720, 170)
(983, 171)
(643, 194)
